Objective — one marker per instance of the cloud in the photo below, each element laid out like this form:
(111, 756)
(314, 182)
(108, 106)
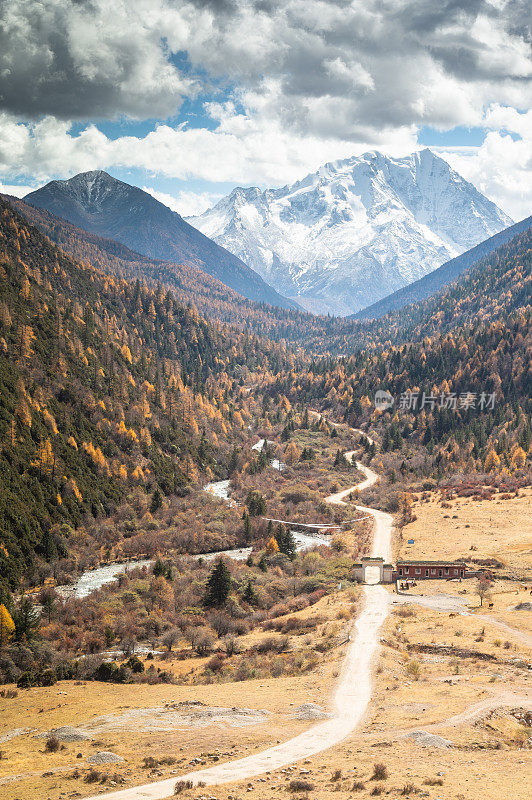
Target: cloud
(501, 168)
(77, 59)
(16, 190)
(307, 81)
(186, 203)
(330, 68)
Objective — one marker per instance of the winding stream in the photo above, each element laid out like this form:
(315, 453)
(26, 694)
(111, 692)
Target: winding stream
(94, 579)
(351, 698)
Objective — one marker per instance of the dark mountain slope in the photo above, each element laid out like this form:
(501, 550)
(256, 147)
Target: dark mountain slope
(430, 284)
(99, 203)
(212, 298)
(107, 389)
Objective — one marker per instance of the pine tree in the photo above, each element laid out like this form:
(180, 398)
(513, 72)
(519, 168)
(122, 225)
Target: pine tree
(249, 595)
(156, 501)
(285, 541)
(247, 527)
(26, 620)
(218, 585)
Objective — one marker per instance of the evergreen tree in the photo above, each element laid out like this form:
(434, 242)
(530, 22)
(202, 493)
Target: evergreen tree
(285, 541)
(249, 596)
(256, 504)
(26, 620)
(156, 501)
(218, 585)
(247, 527)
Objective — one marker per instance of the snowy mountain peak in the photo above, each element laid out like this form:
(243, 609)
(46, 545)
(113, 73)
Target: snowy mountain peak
(356, 229)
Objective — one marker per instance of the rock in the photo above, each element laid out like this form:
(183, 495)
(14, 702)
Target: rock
(424, 739)
(104, 757)
(310, 711)
(66, 733)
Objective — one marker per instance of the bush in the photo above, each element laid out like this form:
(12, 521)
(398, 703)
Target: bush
(380, 772)
(47, 678)
(298, 785)
(92, 776)
(52, 744)
(216, 663)
(358, 786)
(413, 669)
(26, 680)
(272, 645)
(181, 786)
(135, 664)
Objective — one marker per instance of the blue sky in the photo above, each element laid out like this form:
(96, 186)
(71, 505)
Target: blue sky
(200, 96)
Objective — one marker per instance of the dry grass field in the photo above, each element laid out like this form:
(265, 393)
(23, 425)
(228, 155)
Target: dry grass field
(498, 528)
(454, 675)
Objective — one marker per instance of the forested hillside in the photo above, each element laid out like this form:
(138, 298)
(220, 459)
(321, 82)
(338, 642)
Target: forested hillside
(111, 208)
(188, 283)
(107, 388)
(430, 284)
(457, 366)
(494, 285)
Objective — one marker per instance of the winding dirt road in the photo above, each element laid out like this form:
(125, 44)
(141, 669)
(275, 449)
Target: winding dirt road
(351, 698)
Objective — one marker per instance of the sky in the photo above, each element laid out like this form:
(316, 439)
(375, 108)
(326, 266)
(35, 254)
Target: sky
(188, 99)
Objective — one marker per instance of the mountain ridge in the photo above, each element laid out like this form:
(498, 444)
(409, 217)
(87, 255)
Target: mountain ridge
(108, 207)
(430, 284)
(355, 229)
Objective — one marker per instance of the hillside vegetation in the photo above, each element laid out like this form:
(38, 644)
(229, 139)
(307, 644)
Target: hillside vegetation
(108, 390)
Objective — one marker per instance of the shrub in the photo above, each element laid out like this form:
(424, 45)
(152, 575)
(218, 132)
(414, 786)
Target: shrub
(380, 772)
(337, 774)
(409, 788)
(26, 680)
(47, 678)
(215, 664)
(52, 744)
(272, 645)
(135, 664)
(413, 669)
(433, 782)
(181, 786)
(299, 785)
(358, 786)
(92, 776)
(377, 790)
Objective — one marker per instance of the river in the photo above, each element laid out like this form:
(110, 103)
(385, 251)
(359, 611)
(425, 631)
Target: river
(350, 701)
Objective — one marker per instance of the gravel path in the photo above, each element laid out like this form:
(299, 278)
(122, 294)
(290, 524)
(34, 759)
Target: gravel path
(351, 699)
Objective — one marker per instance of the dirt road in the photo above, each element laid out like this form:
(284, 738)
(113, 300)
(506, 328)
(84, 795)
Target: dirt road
(350, 701)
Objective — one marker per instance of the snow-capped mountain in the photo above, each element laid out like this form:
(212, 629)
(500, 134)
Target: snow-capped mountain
(101, 204)
(355, 230)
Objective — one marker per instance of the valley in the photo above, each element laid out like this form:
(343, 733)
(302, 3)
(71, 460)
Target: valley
(188, 494)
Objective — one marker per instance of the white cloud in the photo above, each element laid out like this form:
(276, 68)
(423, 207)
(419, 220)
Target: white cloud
(16, 190)
(312, 81)
(186, 203)
(501, 168)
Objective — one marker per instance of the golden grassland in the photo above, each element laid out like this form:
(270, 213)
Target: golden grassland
(498, 528)
(462, 696)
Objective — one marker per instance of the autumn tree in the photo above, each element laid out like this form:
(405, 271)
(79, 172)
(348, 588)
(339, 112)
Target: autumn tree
(483, 588)
(7, 626)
